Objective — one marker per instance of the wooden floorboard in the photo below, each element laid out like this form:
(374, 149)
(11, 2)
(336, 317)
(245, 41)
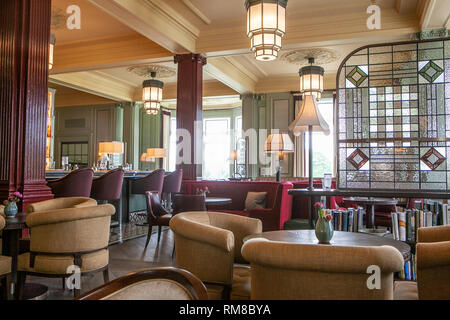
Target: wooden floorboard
(124, 258)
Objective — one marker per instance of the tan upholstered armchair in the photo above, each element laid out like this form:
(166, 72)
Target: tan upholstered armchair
(67, 237)
(153, 284)
(433, 267)
(5, 266)
(61, 203)
(208, 244)
(289, 271)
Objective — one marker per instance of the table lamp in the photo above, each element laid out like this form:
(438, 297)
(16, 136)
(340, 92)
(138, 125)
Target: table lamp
(155, 153)
(108, 148)
(309, 120)
(279, 143)
(234, 157)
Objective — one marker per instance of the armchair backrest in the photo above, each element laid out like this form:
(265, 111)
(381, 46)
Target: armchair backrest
(70, 230)
(153, 284)
(78, 183)
(433, 263)
(151, 182)
(172, 182)
(2, 210)
(2, 222)
(108, 186)
(61, 203)
(207, 243)
(290, 271)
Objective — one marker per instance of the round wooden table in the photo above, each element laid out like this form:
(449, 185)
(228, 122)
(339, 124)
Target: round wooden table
(369, 204)
(340, 238)
(11, 247)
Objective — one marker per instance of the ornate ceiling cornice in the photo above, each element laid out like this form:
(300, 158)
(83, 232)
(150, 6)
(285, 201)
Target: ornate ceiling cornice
(322, 56)
(145, 71)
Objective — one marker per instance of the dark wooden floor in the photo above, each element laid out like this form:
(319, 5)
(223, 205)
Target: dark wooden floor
(124, 258)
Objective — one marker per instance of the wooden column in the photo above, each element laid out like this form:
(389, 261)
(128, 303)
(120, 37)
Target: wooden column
(24, 41)
(190, 110)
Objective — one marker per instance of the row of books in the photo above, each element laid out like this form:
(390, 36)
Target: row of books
(405, 224)
(409, 270)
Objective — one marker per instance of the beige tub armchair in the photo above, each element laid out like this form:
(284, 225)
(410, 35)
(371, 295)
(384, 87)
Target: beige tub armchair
(67, 237)
(208, 244)
(433, 267)
(288, 271)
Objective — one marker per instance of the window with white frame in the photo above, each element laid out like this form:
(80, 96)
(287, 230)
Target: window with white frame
(216, 150)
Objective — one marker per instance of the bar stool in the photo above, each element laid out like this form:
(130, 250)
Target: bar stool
(151, 182)
(107, 188)
(78, 183)
(172, 184)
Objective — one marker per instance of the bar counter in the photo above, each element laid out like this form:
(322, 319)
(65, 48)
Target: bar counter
(126, 203)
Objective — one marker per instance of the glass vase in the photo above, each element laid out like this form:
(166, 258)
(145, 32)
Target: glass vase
(324, 231)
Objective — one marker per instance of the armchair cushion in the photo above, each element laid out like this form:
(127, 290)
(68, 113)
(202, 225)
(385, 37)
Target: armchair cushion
(58, 264)
(405, 290)
(5, 265)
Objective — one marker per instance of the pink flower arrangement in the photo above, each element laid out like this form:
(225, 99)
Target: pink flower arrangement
(328, 217)
(15, 197)
(318, 204)
(203, 191)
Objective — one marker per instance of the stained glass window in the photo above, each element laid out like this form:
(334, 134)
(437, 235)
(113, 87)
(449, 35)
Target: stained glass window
(393, 117)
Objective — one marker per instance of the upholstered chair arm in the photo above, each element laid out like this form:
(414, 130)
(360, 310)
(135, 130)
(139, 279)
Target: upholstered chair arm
(289, 256)
(61, 203)
(434, 234)
(433, 269)
(69, 214)
(2, 223)
(2, 210)
(240, 226)
(199, 232)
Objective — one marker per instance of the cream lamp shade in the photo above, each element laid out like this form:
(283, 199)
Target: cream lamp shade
(279, 142)
(234, 155)
(113, 147)
(309, 115)
(145, 158)
(156, 153)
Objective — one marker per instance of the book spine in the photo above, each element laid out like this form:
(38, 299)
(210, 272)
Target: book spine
(345, 221)
(350, 221)
(409, 229)
(429, 219)
(421, 218)
(396, 233)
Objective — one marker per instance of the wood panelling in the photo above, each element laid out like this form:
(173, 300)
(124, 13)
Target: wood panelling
(24, 38)
(189, 109)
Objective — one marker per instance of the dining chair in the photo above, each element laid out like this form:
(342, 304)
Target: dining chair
(433, 267)
(78, 183)
(291, 271)
(64, 238)
(153, 284)
(156, 214)
(208, 244)
(187, 203)
(172, 184)
(5, 266)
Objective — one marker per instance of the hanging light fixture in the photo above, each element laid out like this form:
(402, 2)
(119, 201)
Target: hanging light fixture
(266, 25)
(50, 51)
(311, 80)
(152, 94)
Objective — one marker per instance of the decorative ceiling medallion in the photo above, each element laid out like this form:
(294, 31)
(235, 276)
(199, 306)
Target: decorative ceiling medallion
(358, 159)
(321, 56)
(59, 19)
(433, 158)
(145, 71)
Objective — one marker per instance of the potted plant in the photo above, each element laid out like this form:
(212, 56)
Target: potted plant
(324, 227)
(11, 204)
